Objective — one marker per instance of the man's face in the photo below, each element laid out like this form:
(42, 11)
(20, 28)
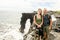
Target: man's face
(45, 11)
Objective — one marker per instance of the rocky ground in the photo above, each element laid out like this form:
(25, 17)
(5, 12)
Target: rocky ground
(54, 35)
(10, 32)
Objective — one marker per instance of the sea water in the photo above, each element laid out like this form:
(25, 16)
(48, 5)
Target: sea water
(9, 25)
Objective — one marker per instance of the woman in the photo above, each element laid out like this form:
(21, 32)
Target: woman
(38, 21)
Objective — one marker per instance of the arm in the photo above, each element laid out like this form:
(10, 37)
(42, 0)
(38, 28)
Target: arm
(50, 23)
(50, 26)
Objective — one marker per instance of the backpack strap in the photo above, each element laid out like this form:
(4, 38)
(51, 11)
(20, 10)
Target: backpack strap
(49, 16)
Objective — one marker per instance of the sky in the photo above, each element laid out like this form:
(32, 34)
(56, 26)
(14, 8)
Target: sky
(28, 5)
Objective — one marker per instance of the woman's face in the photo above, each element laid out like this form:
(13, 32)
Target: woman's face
(39, 11)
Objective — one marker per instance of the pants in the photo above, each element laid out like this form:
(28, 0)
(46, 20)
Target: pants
(46, 29)
(39, 31)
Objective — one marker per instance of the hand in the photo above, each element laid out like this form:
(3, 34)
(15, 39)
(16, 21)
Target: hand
(50, 28)
(39, 26)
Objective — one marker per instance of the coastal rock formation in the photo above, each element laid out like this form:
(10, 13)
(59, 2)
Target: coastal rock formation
(24, 18)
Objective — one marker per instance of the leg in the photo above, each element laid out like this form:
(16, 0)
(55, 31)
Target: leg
(44, 36)
(47, 33)
(39, 38)
(41, 33)
(44, 33)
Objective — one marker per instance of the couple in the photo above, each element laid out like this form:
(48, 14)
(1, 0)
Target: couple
(43, 23)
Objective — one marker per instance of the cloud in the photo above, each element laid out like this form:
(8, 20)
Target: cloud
(49, 4)
(29, 5)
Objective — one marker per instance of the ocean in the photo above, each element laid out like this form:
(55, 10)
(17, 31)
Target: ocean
(10, 24)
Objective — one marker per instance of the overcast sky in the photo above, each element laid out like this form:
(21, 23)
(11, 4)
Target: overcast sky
(29, 5)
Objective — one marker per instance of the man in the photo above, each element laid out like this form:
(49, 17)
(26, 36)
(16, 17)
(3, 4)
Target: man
(47, 24)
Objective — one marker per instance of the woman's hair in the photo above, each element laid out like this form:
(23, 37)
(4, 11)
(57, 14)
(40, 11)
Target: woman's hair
(40, 12)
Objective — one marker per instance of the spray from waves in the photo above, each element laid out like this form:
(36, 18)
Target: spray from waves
(11, 31)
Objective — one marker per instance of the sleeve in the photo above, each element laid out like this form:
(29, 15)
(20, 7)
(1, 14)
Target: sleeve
(49, 16)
